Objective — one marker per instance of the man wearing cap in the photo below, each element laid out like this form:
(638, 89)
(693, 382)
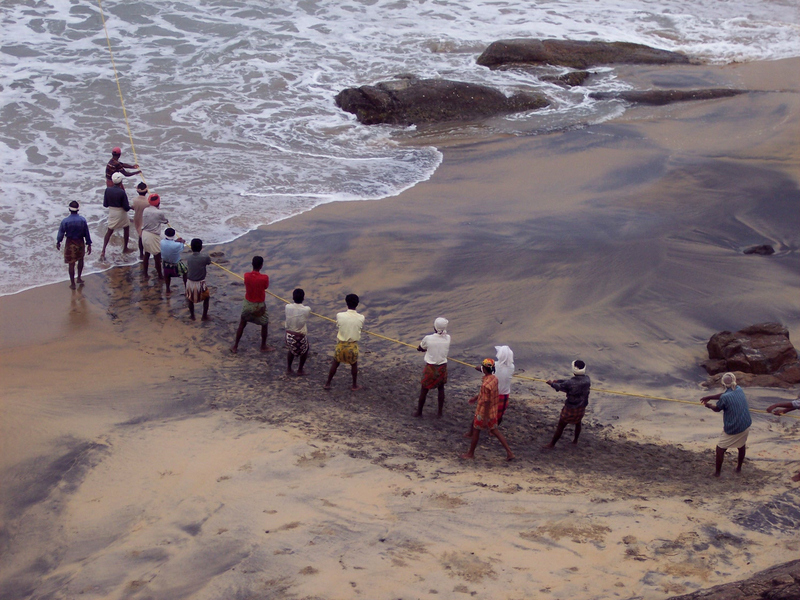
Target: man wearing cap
(152, 219)
(435, 346)
(115, 199)
(115, 166)
(736, 420)
(139, 204)
(79, 242)
(486, 412)
(577, 390)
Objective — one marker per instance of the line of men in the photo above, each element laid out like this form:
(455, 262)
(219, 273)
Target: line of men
(492, 399)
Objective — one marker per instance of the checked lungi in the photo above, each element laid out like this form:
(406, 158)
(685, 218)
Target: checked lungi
(296, 342)
(572, 416)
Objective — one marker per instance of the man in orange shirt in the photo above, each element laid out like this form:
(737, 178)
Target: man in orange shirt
(254, 308)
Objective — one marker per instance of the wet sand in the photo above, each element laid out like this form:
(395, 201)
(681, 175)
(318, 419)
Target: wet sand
(141, 459)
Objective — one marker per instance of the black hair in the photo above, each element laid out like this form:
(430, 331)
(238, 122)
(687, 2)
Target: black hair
(579, 364)
(352, 301)
(74, 204)
(142, 186)
(169, 232)
(258, 262)
(298, 295)
(197, 245)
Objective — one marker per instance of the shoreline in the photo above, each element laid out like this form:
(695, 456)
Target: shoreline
(141, 458)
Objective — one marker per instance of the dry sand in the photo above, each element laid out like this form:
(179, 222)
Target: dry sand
(141, 460)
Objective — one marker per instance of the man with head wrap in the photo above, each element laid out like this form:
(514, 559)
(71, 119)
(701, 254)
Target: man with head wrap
(736, 420)
(504, 371)
(114, 166)
(486, 412)
(577, 389)
(79, 242)
(435, 346)
(115, 199)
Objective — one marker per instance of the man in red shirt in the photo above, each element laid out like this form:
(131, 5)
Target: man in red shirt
(254, 309)
(115, 166)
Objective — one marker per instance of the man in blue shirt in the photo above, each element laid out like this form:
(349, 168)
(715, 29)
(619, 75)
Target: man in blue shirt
(79, 242)
(736, 420)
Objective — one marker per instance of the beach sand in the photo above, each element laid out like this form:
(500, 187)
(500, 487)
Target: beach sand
(140, 459)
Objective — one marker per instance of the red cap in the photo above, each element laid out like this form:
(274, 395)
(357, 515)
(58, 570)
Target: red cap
(154, 199)
(116, 150)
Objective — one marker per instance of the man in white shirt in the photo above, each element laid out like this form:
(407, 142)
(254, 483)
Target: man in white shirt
(349, 324)
(296, 336)
(435, 346)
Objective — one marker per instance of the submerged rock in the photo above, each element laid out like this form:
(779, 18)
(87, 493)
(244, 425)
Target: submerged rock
(660, 97)
(575, 54)
(760, 355)
(411, 101)
(571, 79)
(763, 250)
(781, 582)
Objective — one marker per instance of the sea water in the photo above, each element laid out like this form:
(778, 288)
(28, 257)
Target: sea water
(231, 102)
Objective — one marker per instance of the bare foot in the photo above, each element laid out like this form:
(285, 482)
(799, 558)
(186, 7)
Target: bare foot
(417, 414)
(205, 318)
(169, 292)
(289, 372)
(234, 349)
(796, 477)
(267, 348)
(355, 388)
(128, 250)
(79, 280)
(716, 474)
(548, 446)
(574, 442)
(192, 317)
(510, 457)
(301, 373)
(327, 386)
(102, 258)
(467, 456)
(72, 286)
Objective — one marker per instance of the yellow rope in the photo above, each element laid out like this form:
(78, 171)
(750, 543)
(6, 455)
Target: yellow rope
(372, 333)
(119, 88)
(466, 364)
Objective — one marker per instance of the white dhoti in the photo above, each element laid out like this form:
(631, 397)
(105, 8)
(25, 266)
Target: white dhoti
(117, 218)
(151, 242)
(736, 440)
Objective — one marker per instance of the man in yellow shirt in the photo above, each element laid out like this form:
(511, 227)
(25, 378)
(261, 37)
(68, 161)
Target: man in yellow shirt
(349, 324)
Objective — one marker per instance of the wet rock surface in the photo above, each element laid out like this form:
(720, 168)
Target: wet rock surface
(781, 582)
(661, 97)
(762, 250)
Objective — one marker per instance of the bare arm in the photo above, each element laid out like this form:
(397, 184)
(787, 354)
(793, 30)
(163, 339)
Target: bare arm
(781, 408)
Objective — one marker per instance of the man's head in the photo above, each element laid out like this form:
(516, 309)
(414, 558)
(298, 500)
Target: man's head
(117, 178)
(74, 206)
(351, 300)
(154, 200)
(116, 152)
(488, 366)
(729, 380)
(440, 325)
(298, 296)
(169, 233)
(578, 367)
(197, 244)
(141, 188)
(258, 262)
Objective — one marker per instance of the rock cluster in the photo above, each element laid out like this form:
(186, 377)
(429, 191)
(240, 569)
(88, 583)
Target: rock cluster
(781, 582)
(760, 355)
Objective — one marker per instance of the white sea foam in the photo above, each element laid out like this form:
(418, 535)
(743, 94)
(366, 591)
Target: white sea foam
(231, 102)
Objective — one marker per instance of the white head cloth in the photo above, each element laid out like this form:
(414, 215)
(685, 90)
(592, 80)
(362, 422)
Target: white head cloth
(117, 177)
(576, 370)
(440, 325)
(505, 357)
(729, 380)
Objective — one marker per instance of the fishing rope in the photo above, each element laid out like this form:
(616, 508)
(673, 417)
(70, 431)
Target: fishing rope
(372, 333)
(526, 377)
(119, 89)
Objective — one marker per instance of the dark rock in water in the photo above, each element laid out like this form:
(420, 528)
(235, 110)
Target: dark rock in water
(763, 250)
(759, 355)
(571, 79)
(660, 97)
(578, 55)
(781, 582)
(411, 101)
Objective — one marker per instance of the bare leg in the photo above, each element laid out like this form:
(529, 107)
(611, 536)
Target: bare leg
(146, 264)
(157, 260)
(303, 358)
(289, 361)
(441, 401)
(191, 309)
(476, 435)
(206, 302)
(239, 332)
(80, 271)
(167, 280)
(354, 373)
(126, 234)
(331, 373)
(559, 430)
(72, 275)
(106, 238)
(423, 394)
(719, 458)
(499, 435)
(264, 347)
(577, 433)
(141, 249)
(741, 459)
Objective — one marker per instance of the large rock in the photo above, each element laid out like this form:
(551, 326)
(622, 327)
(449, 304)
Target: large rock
(411, 101)
(761, 350)
(781, 582)
(660, 97)
(578, 55)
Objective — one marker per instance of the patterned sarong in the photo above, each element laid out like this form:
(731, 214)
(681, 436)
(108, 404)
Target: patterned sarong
(297, 343)
(572, 416)
(74, 251)
(486, 410)
(346, 352)
(255, 312)
(117, 218)
(434, 375)
(196, 291)
(502, 405)
(178, 269)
